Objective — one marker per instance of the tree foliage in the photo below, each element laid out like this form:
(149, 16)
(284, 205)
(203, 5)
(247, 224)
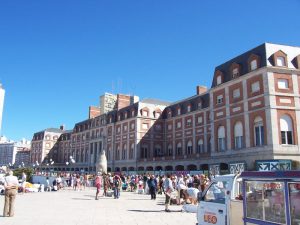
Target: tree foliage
(28, 171)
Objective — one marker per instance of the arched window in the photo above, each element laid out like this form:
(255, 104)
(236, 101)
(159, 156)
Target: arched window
(238, 135)
(131, 151)
(157, 151)
(170, 150)
(221, 139)
(200, 146)
(179, 149)
(286, 128)
(258, 131)
(189, 148)
(124, 150)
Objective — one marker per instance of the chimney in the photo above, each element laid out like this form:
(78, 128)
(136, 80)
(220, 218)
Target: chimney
(94, 111)
(201, 89)
(62, 127)
(123, 101)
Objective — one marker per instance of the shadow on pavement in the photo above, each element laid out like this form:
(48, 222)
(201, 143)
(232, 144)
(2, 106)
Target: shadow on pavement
(87, 199)
(150, 211)
(143, 211)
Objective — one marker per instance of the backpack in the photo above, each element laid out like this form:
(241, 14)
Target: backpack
(116, 182)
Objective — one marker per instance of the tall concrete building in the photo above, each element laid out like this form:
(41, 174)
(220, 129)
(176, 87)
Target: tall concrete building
(2, 94)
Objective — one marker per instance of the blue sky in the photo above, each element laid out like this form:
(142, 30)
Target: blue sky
(58, 56)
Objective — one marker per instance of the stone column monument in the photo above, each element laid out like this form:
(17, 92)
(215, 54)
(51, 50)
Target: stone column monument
(101, 165)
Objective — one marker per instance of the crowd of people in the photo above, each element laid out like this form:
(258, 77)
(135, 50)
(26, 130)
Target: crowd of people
(178, 189)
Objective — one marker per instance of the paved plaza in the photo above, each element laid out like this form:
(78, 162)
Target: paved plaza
(80, 207)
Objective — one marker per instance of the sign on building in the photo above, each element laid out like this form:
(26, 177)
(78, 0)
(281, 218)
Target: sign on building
(271, 165)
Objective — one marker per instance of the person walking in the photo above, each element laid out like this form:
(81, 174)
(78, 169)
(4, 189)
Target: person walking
(168, 187)
(117, 184)
(48, 186)
(152, 184)
(98, 183)
(86, 181)
(24, 177)
(11, 187)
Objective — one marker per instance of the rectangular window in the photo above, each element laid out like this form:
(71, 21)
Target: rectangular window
(145, 113)
(255, 87)
(169, 127)
(259, 135)
(280, 61)
(283, 84)
(178, 124)
(221, 144)
(145, 126)
(236, 93)
(200, 119)
(132, 126)
(286, 137)
(200, 148)
(220, 99)
(238, 142)
(189, 122)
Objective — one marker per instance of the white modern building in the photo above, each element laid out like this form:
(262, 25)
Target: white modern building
(9, 152)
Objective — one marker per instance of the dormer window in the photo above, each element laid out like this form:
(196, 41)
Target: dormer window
(178, 111)
(253, 65)
(189, 108)
(280, 61)
(157, 114)
(145, 112)
(199, 105)
(132, 113)
(125, 115)
(219, 80)
(279, 58)
(235, 72)
(253, 62)
(169, 114)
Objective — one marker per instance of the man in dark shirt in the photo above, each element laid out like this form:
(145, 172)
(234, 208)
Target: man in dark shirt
(152, 184)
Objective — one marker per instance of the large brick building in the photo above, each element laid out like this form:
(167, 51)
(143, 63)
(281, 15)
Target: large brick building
(249, 118)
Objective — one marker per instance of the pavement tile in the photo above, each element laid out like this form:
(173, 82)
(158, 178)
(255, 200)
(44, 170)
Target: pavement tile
(70, 207)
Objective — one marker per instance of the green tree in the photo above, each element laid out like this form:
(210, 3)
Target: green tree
(28, 171)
